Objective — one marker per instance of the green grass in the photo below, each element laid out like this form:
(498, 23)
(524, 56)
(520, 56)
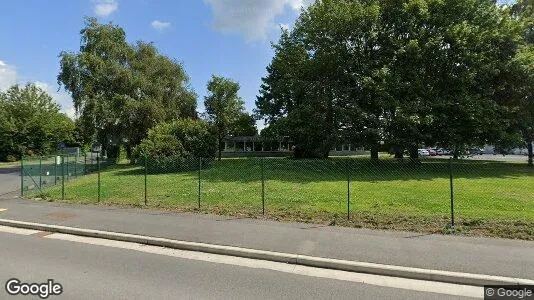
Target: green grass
(491, 198)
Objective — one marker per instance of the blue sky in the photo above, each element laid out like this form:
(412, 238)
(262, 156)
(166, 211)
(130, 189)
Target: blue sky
(225, 37)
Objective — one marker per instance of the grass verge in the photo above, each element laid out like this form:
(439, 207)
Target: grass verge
(491, 198)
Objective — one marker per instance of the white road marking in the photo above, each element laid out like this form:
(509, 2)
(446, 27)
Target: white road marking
(385, 281)
(17, 230)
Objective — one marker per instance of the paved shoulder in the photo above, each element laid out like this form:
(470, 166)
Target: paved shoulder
(100, 272)
(510, 258)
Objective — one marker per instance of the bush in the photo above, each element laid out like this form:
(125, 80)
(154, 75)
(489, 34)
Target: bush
(181, 139)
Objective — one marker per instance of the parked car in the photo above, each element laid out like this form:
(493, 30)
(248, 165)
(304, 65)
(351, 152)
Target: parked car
(442, 151)
(477, 151)
(423, 152)
(432, 152)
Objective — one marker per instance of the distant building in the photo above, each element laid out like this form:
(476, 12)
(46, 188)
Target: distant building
(260, 146)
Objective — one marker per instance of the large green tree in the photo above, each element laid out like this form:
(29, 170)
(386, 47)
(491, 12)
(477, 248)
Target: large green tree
(406, 72)
(121, 90)
(244, 125)
(31, 122)
(296, 97)
(225, 110)
(521, 79)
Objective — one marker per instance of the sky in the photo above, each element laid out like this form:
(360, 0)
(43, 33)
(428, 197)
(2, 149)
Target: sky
(231, 38)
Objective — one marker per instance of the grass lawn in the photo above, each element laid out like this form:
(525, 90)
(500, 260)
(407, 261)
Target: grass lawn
(491, 198)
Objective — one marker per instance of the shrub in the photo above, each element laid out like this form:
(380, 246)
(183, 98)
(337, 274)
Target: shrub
(181, 139)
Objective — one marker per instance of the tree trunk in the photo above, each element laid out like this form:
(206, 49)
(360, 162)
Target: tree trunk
(530, 154)
(129, 151)
(414, 154)
(219, 147)
(374, 152)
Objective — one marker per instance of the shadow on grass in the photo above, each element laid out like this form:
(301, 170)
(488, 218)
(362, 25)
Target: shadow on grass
(339, 169)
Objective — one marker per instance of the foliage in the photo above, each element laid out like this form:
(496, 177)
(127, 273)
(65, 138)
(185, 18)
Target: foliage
(522, 81)
(244, 125)
(407, 73)
(186, 138)
(524, 9)
(120, 90)
(225, 110)
(31, 123)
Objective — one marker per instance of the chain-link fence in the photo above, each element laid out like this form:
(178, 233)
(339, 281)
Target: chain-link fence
(430, 195)
(41, 172)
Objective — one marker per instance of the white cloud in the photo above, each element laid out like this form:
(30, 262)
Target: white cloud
(285, 26)
(60, 97)
(8, 76)
(298, 4)
(252, 18)
(160, 25)
(104, 8)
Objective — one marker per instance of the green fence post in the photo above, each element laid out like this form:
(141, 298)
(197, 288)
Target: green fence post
(146, 174)
(62, 178)
(40, 172)
(22, 175)
(85, 163)
(262, 186)
(75, 165)
(55, 170)
(199, 168)
(348, 191)
(452, 195)
(67, 167)
(98, 168)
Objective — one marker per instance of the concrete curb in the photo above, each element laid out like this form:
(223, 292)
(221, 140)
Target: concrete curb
(327, 263)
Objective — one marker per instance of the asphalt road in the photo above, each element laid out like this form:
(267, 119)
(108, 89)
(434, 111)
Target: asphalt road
(98, 272)
(9, 180)
(511, 258)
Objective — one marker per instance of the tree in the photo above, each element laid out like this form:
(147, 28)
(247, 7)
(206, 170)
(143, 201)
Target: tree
(224, 108)
(120, 91)
(521, 77)
(245, 125)
(31, 122)
(524, 10)
(407, 73)
(186, 138)
(295, 99)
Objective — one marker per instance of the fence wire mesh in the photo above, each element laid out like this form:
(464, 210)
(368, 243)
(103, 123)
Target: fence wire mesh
(172, 182)
(50, 175)
(430, 195)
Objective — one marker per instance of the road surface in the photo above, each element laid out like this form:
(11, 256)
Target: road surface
(114, 271)
(9, 180)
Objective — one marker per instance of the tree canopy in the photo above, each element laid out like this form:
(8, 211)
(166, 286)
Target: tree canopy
(31, 123)
(403, 73)
(121, 90)
(181, 138)
(225, 110)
